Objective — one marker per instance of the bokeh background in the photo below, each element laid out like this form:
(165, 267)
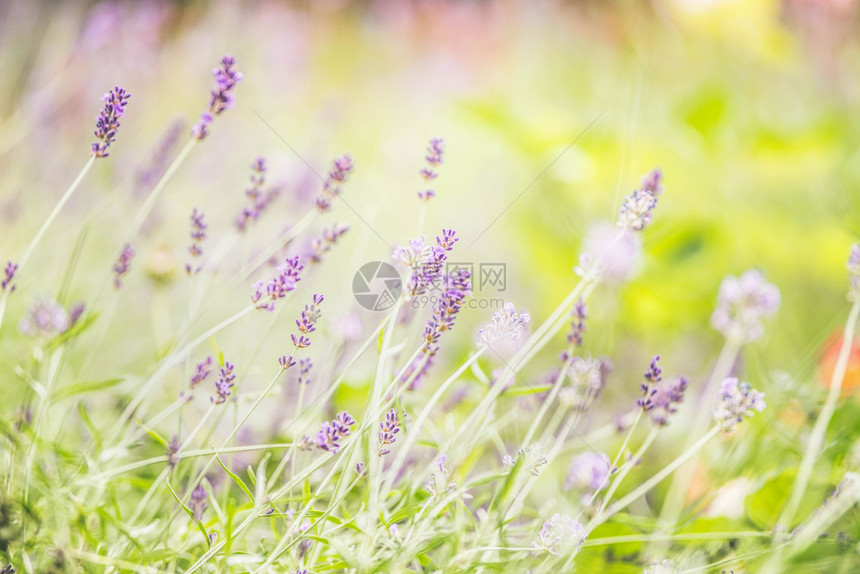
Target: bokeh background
(551, 111)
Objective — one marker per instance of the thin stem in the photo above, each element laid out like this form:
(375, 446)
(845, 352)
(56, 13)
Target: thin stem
(28, 251)
(819, 430)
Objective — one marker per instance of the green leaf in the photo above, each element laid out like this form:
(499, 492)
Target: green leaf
(85, 387)
(260, 492)
(236, 479)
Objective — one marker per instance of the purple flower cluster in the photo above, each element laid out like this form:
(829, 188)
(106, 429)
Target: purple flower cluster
(202, 371)
(577, 325)
(198, 234)
(307, 322)
(332, 432)
(107, 122)
(742, 303)
(458, 285)
(266, 293)
(853, 270)
(198, 503)
(648, 388)
(122, 265)
(669, 395)
(737, 400)
(160, 155)
(636, 210)
(387, 431)
(435, 149)
(9, 276)
(224, 384)
(258, 200)
(46, 318)
(341, 168)
(321, 245)
(505, 325)
(588, 472)
(172, 451)
(559, 535)
(305, 366)
(226, 78)
(426, 262)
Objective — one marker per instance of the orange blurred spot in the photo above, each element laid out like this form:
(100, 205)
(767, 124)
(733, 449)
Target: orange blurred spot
(829, 356)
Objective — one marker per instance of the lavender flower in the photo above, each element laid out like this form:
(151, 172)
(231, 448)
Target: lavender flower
(648, 388)
(426, 262)
(588, 472)
(663, 567)
(737, 399)
(669, 394)
(202, 371)
(532, 458)
(341, 168)
(286, 361)
(587, 377)
(9, 276)
(332, 433)
(609, 254)
(387, 429)
(506, 325)
(160, 155)
(107, 122)
(258, 201)
(440, 481)
(742, 303)
(560, 535)
(434, 159)
(321, 245)
(172, 451)
(122, 265)
(305, 366)
(198, 234)
(853, 270)
(636, 210)
(360, 468)
(577, 325)
(224, 383)
(265, 294)
(652, 182)
(45, 319)
(310, 315)
(198, 503)
(226, 78)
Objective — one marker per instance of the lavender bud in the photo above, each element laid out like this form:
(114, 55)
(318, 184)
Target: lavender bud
(226, 78)
(122, 265)
(737, 399)
(198, 234)
(388, 428)
(224, 384)
(107, 122)
(9, 276)
(198, 503)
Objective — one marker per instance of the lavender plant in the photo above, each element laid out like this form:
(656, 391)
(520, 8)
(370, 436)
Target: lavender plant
(390, 449)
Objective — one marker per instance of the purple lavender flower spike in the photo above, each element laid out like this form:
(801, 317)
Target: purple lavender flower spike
(341, 167)
(669, 395)
(258, 200)
(434, 159)
(388, 428)
(198, 503)
(305, 366)
(202, 371)
(506, 325)
(300, 341)
(648, 388)
(266, 293)
(426, 262)
(107, 122)
(286, 361)
(172, 451)
(9, 277)
(360, 468)
(652, 182)
(226, 78)
(332, 433)
(198, 234)
(45, 319)
(577, 325)
(224, 384)
(158, 162)
(742, 303)
(323, 244)
(737, 400)
(122, 265)
(588, 472)
(561, 535)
